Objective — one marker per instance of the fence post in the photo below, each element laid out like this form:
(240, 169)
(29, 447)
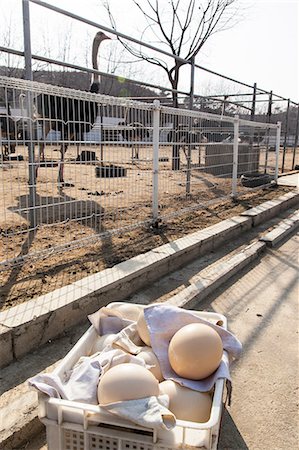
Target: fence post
(191, 99)
(29, 107)
(252, 114)
(285, 136)
(278, 131)
(235, 156)
(269, 114)
(296, 139)
(156, 129)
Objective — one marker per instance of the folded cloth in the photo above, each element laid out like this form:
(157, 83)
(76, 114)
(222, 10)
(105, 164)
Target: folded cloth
(129, 340)
(108, 321)
(164, 321)
(80, 383)
(148, 412)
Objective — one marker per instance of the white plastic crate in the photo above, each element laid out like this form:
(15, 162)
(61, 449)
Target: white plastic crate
(80, 426)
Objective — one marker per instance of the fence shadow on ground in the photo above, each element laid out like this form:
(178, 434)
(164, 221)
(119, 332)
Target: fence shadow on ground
(50, 211)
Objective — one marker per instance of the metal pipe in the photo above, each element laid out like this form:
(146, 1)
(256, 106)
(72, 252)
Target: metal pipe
(296, 139)
(278, 131)
(192, 84)
(27, 41)
(156, 128)
(235, 157)
(29, 105)
(137, 41)
(285, 136)
(84, 69)
(108, 30)
(269, 114)
(253, 102)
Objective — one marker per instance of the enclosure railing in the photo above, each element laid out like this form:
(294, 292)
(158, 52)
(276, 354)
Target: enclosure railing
(77, 167)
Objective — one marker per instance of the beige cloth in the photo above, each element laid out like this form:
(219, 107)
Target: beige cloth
(148, 412)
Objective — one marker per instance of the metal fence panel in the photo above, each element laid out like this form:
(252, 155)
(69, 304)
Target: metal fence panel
(77, 166)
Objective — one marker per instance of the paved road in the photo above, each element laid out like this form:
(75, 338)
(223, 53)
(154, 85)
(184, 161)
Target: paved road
(262, 310)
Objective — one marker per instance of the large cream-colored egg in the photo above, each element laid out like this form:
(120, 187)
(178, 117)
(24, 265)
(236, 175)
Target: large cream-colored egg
(142, 326)
(101, 342)
(126, 382)
(185, 403)
(195, 351)
(127, 310)
(150, 359)
(143, 329)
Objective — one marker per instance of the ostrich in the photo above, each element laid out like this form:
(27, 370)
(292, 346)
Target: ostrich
(134, 132)
(187, 139)
(71, 117)
(8, 131)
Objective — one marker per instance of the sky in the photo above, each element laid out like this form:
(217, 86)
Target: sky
(262, 46)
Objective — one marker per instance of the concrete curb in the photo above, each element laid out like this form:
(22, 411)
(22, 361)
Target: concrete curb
(213, 277)
(31, 324)
(267, 210)
(279, 233)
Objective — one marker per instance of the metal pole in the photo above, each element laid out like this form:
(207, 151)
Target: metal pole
(253, 102)
(296, 139)
(27, 41)
(285, 136)
(278, 131)
(188, 171)
(156, 129)
(191, 99)
(235, 157)
(29, 106)
(269, 114)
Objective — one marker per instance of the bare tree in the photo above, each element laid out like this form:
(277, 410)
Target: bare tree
(181, 27)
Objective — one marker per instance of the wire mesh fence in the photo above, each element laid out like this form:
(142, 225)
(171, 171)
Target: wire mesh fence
(77, 166)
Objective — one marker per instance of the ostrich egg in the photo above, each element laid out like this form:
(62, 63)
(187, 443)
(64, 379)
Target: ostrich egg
(142, 326)
(127, 311)
(195, 351)
(101, 342)
(185, 403)
(143, 330)
(150, 359)
(126, 382)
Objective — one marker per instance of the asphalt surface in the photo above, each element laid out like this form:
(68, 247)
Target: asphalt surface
(261, 305)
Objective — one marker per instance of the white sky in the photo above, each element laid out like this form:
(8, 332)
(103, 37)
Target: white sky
(263, 47)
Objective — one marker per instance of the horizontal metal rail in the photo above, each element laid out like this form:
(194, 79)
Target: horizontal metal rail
(93, 71)
(144, 44)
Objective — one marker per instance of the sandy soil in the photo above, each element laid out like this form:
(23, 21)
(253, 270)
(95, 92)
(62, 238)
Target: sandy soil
(37, 277)
(80, 220)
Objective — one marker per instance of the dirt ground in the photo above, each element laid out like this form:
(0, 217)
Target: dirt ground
(77, 224)
(36, 277)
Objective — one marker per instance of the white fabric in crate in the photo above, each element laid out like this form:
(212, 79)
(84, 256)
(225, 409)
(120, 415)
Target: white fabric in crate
(109, 321)
(80, 383)
(164, 321)
(148, 412)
